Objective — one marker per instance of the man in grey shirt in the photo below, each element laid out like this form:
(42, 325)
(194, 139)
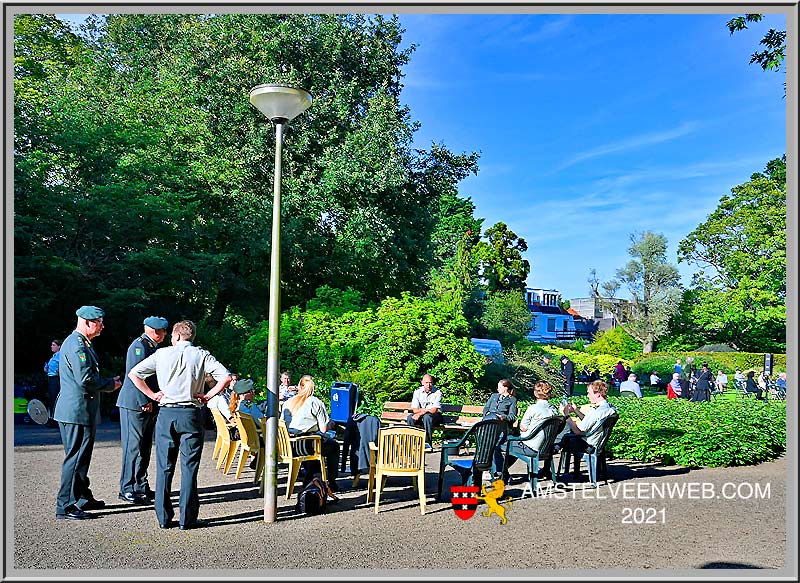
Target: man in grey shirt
(181, 370)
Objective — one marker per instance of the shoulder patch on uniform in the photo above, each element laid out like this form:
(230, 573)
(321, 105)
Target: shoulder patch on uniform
(138, 351)
(82, 356)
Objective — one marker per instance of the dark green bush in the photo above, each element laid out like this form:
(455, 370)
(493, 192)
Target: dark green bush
(716, 434)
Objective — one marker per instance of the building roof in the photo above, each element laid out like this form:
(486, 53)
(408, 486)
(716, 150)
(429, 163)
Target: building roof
(537, 307)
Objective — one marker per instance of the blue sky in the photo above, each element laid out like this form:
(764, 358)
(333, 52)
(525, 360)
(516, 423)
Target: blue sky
(591, 127)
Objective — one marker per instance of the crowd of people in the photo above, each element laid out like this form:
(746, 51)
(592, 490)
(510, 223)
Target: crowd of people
(164, 390)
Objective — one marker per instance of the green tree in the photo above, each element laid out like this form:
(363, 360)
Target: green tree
(774, 42)
(654, 287)
(616, 342)
(136, 140)
(500, 259)
(741, 251)
(506, 317)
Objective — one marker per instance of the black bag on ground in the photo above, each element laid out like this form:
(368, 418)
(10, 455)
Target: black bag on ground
(314, 498)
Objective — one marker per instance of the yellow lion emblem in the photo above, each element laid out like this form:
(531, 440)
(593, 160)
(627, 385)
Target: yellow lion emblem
(491, 496)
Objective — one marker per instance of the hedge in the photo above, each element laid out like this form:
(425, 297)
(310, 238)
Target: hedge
(719, 433)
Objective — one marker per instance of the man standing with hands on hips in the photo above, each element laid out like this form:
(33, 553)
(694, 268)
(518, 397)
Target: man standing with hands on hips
(77, 411)
(137, 417)
(181, 370)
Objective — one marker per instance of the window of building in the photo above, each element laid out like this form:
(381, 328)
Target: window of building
(551, 324)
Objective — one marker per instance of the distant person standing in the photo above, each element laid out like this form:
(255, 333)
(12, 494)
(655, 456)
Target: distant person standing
(702, 387)
(620, 374)
(181, 371)
(678, 366)
(53, 384)
(568, 371)
(77, 411)
(137, 417)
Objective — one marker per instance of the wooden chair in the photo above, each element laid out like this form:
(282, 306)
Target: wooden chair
(228, 446)
(249, 444)
(294, 451)
(550, 428)
(400, 452)
(484, 435)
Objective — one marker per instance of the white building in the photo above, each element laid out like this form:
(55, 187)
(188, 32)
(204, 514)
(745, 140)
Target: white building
(549, 322)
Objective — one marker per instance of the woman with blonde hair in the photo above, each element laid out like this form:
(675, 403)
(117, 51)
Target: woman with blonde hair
(306, 414)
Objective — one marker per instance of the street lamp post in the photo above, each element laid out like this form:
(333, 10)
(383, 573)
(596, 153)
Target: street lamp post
(280, 103)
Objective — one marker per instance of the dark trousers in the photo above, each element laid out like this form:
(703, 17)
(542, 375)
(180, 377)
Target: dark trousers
(360, 433)
(178, 430)
(53, 388)
(78, 443)
(428, 421)
(136, 432)
(330, 451)
(575, 446)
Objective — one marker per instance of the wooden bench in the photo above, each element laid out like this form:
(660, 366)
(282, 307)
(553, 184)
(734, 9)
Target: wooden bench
(455, 417)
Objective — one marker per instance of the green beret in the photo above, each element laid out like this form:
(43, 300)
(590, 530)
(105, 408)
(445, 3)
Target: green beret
(243, 386)
(90, 312)
(156, 322)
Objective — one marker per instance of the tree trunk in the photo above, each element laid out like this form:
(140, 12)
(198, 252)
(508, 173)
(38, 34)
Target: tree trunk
(647, 347)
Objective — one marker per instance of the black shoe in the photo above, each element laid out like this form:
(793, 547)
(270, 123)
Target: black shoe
(196, 524)
(73, 513)
(94, 505)
(149, 494)
(253, 463)
(166, 525)
(132, 497)
(333, 487)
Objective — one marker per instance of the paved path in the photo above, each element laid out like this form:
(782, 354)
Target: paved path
(552, 535)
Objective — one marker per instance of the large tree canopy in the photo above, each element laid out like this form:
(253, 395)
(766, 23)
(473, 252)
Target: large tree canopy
(653, 285)
(143, 176)
(740, 290)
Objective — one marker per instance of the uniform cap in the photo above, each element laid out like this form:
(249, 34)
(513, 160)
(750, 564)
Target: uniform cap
(156, 322)
(243, 386)
(90, 312)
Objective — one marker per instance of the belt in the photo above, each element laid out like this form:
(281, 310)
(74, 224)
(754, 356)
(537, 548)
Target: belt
(180, 406)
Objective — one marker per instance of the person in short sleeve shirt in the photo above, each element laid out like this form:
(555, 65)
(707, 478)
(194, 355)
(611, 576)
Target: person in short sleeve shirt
(587, 430)
(426, 409)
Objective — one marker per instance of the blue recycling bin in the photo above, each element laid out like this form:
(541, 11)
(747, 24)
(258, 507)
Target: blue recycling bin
(344, 398)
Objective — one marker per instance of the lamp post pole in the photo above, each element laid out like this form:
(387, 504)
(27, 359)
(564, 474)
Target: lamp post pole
(280, 103)
(273, 355)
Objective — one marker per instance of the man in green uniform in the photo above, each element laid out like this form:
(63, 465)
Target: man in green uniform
(77, 411)
(137, 417)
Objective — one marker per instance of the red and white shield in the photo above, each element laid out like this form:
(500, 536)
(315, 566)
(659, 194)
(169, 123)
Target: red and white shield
(464, 500)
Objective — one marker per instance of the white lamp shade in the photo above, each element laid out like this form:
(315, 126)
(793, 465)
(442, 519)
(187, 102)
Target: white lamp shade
(280, 102)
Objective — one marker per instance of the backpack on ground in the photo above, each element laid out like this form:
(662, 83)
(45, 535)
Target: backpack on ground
(314, 498)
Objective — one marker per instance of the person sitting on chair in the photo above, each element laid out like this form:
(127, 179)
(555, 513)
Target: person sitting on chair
(751, 386)
(674, 387)
(426, 406)
(306, 414)
(541, 410)
(631, 385)
(501, 405)
(586, 431)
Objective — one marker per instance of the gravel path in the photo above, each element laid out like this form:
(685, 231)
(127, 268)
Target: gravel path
(732, 518)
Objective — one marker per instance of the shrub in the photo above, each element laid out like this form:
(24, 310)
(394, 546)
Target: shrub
(225, 342)
(727, 361)
(616, 342)
(714, 434)
(385, 351)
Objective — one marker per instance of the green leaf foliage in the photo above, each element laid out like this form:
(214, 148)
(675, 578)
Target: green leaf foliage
(739, 295)
(385, 350)
(615, 341)
(506, 317)
(722, 433)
